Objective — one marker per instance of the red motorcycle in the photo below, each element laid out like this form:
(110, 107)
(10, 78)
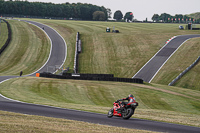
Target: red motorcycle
(122, 109)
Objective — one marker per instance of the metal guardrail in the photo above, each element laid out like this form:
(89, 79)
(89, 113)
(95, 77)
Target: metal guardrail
(184, 72)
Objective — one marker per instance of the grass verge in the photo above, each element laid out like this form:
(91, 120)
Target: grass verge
(14, 122)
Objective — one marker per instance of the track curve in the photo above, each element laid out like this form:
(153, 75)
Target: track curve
(57, 57)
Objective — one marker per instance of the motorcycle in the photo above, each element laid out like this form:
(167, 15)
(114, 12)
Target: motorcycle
(122, 109)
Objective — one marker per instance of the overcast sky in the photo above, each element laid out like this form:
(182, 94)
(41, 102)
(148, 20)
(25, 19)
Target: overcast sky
(142, 9)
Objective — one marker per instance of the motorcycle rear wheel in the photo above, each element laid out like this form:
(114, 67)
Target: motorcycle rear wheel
(129, 112)
(110, 113)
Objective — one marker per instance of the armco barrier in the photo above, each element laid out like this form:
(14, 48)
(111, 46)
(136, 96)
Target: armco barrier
(96, 77)
(184, 72)
(9, 37)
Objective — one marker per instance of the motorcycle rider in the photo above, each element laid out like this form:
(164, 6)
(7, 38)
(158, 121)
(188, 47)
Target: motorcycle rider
(130, 99)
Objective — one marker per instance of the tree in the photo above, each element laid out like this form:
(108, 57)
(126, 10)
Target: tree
(129, 16)
(178, 17)
(109, 12)
(164, 17)
(155, 17)
(118, 15)
(99, 16)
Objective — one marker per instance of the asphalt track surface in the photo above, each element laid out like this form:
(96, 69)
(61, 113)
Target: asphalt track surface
(151, 68)
(7, 104)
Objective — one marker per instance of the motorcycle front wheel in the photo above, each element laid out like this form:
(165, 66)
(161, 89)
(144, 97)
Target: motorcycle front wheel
(129, 112)
(110, 113)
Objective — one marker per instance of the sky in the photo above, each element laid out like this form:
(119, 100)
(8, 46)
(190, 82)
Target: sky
(141, 9)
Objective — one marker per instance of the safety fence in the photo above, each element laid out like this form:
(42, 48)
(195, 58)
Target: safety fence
(184, 72)
(9, 37)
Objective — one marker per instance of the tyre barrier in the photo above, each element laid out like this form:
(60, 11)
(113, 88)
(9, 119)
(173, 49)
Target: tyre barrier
(96, 77)
(9, 38)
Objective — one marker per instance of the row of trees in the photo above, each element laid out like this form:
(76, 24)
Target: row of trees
(178, 18)
(66, 10)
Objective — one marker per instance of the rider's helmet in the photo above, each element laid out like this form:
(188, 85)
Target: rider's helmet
(131, 98)
(130, 95)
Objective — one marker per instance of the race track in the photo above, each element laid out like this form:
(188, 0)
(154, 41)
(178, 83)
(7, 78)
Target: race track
(57, 56)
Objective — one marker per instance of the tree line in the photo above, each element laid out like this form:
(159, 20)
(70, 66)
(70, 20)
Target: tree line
(178, 18)
(65, 10)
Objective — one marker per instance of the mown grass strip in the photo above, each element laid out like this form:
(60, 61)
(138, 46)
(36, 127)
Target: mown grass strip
(27, 52)
(14, 122)
(94, 96)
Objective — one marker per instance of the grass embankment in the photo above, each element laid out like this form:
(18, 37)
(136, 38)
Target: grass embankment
(125, 53)
(14, 122)
(27, 51)
(120, 54)
(182, 59)
(156, 102)
(3, 33)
